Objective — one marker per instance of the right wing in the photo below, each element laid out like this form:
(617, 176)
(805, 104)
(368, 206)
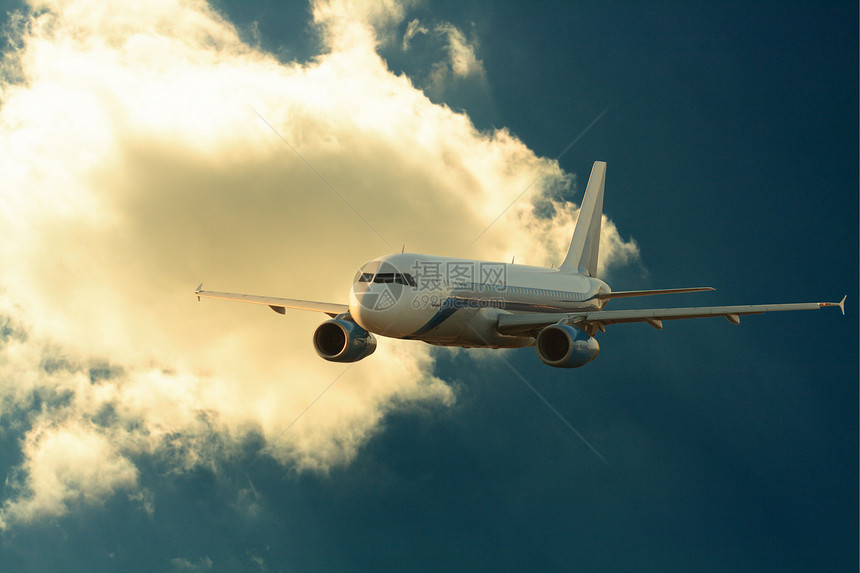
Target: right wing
(523, 323)
(279, 305)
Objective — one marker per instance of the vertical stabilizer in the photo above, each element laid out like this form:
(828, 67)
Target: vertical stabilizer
(582, 256)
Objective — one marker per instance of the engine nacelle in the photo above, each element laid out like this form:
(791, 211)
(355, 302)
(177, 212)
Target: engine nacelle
(566, 346)
(342, 340)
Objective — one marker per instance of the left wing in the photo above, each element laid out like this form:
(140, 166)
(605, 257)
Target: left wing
(279, 305)
(597, 320)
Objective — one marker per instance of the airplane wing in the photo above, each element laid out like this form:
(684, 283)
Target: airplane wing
(279, 305)
(597, 320)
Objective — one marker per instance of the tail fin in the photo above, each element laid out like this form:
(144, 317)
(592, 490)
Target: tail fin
(582, 256)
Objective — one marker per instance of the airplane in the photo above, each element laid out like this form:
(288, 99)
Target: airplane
(482, 304)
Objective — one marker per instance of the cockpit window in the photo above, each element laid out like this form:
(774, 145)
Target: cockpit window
(383, 273)
(397, 278)
(366, 272)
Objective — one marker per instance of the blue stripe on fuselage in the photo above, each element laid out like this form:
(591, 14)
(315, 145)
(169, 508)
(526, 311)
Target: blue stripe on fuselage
(459, 299)
(447, 309)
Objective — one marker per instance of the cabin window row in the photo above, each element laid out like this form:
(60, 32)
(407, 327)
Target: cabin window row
(512, 289)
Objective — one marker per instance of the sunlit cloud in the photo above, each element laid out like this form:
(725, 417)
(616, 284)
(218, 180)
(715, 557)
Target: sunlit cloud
(455, 66)
(412, 29)
(464, 61)
(65, 465)
(135, 164)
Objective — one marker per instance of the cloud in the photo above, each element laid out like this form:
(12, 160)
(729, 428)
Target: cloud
(462, 53)
(413, 29)
(65, 465)
(182, 564)
(354, 25)
(135, 164)
(455, 69)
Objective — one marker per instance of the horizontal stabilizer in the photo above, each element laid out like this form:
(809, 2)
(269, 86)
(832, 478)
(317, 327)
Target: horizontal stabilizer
(626, 293)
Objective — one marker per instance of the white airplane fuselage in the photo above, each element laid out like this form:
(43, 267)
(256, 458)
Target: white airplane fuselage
(457, 302)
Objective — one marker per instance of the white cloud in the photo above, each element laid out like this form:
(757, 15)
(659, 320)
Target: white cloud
(459, 67)
(462, 53)
(65, 465)
(356, 25)
(134, 165)
(413, 29)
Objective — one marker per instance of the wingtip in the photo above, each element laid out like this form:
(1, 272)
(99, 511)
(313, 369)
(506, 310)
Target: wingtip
(199, 288)
(840, 304)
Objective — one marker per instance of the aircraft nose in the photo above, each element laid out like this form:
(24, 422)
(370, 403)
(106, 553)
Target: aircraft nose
(379, 297)
(368, 305)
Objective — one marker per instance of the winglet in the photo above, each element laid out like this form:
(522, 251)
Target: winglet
(198, 290)
(583, 252)
(840, 304)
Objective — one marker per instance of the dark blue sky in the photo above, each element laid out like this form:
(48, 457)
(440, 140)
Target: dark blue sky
(732, 146)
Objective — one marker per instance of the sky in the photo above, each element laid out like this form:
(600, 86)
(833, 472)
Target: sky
(272, 148)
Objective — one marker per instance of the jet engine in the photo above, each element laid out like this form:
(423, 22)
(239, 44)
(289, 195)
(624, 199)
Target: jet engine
(565, 346)
(342, 340)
